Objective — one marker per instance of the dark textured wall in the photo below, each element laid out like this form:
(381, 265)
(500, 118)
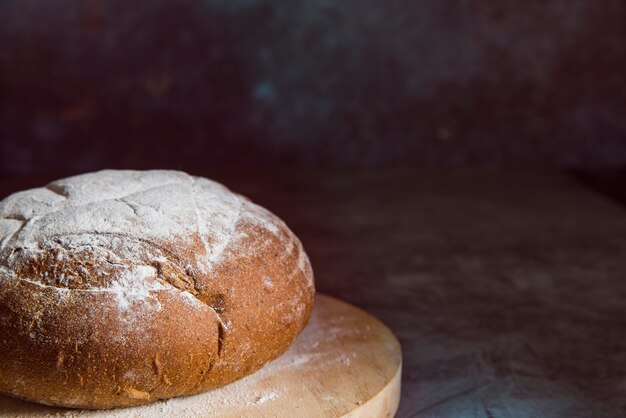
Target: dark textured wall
(353, 82)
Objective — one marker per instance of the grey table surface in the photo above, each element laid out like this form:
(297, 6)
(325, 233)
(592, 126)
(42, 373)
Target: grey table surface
(506, 289)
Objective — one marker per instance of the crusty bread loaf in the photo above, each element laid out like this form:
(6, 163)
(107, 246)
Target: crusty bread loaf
(119, 288)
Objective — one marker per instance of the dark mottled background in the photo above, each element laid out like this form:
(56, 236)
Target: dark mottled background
(193, 84)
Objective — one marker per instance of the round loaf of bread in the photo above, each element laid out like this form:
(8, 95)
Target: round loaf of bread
(120, 288)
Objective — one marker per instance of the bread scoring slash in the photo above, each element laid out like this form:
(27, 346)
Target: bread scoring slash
(121, 287)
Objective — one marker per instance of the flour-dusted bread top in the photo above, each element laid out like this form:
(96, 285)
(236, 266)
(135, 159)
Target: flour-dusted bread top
(122, 287)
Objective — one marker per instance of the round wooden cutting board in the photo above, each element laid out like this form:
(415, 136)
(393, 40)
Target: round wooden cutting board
(344, 364)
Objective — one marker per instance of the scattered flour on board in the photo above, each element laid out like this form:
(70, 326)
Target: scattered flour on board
(264, 398)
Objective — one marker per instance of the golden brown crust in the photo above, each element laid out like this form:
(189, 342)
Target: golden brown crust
(98, 340)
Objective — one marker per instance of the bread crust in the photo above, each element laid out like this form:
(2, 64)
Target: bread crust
(104, 303)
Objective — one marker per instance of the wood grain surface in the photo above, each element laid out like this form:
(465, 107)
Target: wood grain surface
(344, 364)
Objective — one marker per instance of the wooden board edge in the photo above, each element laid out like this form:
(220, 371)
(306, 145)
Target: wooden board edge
(384, 404)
